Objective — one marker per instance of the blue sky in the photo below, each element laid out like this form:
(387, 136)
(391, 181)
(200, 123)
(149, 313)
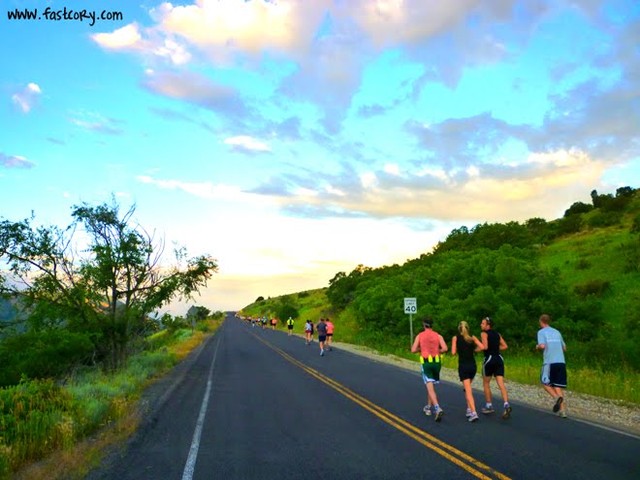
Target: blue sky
(295, 139)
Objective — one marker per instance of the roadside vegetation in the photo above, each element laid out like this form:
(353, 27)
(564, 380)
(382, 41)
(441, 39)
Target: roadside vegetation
(79, 336)
(583, 269)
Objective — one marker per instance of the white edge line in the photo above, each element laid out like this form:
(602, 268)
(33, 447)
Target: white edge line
(190, 466)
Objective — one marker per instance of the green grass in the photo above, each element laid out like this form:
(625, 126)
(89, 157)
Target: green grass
(46, 420)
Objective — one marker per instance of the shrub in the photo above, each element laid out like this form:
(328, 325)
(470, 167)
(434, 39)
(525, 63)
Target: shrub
(593, 287)
(583, 264)
(635, 225)
(43, 354)
(605, 219)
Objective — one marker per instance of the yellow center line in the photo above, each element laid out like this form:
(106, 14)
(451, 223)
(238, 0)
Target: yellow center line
(458, 457)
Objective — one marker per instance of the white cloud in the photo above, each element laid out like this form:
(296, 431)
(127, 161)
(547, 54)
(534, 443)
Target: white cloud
(247, 143)
(14, 161)
(27, 97)
(127, 37)
(205, 190)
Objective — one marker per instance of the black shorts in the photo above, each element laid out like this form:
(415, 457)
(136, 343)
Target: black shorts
(554, 375)
(493, 366)
(467, 371)
(322, 338)
(290, 327)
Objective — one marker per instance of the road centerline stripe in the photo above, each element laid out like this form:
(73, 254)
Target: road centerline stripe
(461, 459)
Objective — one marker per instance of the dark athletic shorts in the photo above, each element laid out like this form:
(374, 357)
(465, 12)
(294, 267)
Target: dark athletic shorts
(322, 338)
(493, 366)
(290, 327)
(554, 375)
(467, 371)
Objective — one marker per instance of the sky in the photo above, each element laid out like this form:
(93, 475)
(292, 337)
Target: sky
(292, 140)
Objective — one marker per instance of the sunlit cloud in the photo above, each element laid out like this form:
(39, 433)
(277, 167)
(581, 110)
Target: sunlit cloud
(127, 37)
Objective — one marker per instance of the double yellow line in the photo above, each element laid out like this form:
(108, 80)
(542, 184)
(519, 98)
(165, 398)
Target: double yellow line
(457, 457)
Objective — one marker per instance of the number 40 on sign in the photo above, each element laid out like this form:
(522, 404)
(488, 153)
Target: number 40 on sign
(410, 305)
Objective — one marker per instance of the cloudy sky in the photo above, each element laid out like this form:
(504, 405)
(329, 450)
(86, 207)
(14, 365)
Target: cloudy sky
(293, 139)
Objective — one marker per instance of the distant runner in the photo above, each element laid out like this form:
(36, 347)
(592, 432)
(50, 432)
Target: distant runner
(290, 326)
(322, 335)
(329, 333)
(308, 331)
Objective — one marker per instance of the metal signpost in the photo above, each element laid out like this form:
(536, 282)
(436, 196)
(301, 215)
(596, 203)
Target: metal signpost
(410, 307)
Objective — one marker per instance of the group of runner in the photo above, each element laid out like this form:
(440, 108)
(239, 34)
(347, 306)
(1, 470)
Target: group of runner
(431, 345)
(325, 333)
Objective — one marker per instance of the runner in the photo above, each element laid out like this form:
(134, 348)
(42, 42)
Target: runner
(329, 333)
(290, 326)
(431, 345)
(465, 345)
(274, 322)
(322, 335)
(308, 331)
(493, 366)
(554, 368)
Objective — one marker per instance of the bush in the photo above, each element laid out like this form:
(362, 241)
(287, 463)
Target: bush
(593, 287)
(583, 264)
(570, 224)
(44, 354)
(605, 219)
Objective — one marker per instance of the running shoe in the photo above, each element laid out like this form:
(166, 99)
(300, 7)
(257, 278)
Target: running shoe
(507, 412)
(439, 415)
(487, 409)
(556, 406)
(469, 413)
(473, 417)
(322, 353)
(427, 410)
(562, 414)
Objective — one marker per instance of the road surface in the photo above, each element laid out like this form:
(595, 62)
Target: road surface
(258, 404)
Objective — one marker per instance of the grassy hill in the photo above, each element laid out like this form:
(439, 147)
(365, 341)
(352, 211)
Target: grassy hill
(588, 262)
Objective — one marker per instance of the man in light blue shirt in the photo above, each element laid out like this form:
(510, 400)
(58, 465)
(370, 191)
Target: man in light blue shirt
(554, 367)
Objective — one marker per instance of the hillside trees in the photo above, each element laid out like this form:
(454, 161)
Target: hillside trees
(100, 277)
(505, 283)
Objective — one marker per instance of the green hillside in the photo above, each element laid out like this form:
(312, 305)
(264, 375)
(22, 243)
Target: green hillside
(583, 269)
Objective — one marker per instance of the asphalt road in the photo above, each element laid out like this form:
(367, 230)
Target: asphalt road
(258, 404)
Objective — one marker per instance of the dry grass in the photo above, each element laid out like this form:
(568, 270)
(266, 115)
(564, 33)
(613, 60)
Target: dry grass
(76, 461)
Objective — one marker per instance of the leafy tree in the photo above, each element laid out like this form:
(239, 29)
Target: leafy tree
(578, 208)
(342, 287)
(101, 276)
(198, 313)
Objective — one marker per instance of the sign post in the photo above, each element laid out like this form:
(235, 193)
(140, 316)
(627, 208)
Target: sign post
(410, 307)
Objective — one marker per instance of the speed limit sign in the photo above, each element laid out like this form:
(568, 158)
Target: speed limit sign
(410, 305)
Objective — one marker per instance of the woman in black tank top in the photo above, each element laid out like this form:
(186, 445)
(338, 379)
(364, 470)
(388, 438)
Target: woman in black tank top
(465, 346)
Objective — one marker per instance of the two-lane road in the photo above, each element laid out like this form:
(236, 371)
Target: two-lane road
(258, 404)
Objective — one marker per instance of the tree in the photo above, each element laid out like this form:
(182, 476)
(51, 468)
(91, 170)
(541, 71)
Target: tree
(102, 276)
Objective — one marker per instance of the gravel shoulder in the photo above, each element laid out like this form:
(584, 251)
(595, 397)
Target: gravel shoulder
(587, 408)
